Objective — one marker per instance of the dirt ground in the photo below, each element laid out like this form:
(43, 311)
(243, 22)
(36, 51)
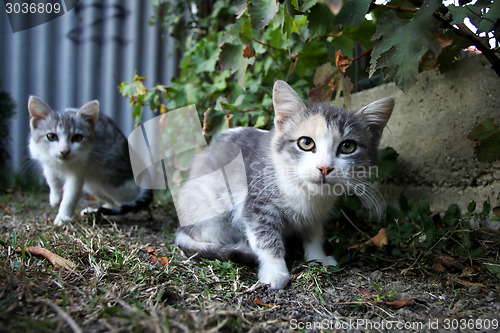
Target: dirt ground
(115, 287)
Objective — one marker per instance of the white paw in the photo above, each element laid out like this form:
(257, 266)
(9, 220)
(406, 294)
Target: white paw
(61, 220)
(329, 261)
(278, 279)
(88, 210)
(55, 198)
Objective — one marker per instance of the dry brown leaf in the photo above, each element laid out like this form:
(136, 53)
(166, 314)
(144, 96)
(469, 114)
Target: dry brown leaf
(163, 261)
(342, 61)
(259, 302)
(365, 293)
(151, 251)
(449, 261)
(400, 304)
(464, 283)
(380, 240)
(468, 271)
(249, 52)
(7, 210)
(57, 261)
(438, 268)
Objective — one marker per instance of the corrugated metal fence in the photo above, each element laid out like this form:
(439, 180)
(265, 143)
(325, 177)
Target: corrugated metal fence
(85, 54)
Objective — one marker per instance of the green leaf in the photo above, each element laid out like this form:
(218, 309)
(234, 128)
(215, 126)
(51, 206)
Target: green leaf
(214, 121)
(490, 19)
(287, 25)
(387, 161)
(404, 203)
(488, 150)
(231, 34)
(231, 58)
(353, 12)
(127, 89)
(486, 137)
(137, 114)
(320, 21)
(246, 32)
(400, 44)
(471, 207)
(451, 215)
(493, 268)
(486, 209)
(292, 7)
(205, 57)
(484, 130)
(308, 4)
(458, 13)
(262, 120)
(261, 12)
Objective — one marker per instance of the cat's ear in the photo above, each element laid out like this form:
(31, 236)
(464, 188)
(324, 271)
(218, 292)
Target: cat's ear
(286, 103)
(377, 114)
(89, 112)
(38, 110)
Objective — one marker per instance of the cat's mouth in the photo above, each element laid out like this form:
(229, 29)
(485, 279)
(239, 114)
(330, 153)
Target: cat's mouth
(320, 181)
(64, 157)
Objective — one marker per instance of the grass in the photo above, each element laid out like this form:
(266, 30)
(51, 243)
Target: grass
(116, 287)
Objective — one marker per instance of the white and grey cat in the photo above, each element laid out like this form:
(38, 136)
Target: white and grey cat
(83, 150)
(293, 172)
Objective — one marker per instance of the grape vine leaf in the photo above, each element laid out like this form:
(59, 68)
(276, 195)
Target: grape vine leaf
(486, 137)
(353, 12)
(232, 58)
(490, 19)
(308, 4)
(320, 21)
(261, 12)
(323, 81)
(400, 44)
(292, 7)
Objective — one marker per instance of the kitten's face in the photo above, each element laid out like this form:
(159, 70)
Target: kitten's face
(318, 146)
(63, 136)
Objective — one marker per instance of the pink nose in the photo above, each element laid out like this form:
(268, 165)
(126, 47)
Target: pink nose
(65, 153)
(325, 170)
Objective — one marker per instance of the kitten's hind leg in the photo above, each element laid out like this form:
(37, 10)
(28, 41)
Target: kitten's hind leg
(313, 247)
(193, 240)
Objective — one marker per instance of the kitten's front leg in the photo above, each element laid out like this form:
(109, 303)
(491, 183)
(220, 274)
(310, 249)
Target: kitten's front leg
(71, 194)
(267, 243)
(55, 187)
(313, 247)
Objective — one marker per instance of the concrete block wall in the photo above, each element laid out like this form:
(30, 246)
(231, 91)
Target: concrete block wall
(429, 128)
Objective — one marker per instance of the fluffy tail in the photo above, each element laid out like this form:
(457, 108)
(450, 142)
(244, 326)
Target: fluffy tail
(238, 253)
(142, 201)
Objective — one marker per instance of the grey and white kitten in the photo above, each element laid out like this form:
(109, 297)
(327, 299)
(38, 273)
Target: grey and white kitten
(294, 174)
(83, 150)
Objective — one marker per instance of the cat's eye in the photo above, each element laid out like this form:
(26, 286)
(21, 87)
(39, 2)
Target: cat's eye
(52, 137)
(306, 143)
(347, 147)
(77, 138)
